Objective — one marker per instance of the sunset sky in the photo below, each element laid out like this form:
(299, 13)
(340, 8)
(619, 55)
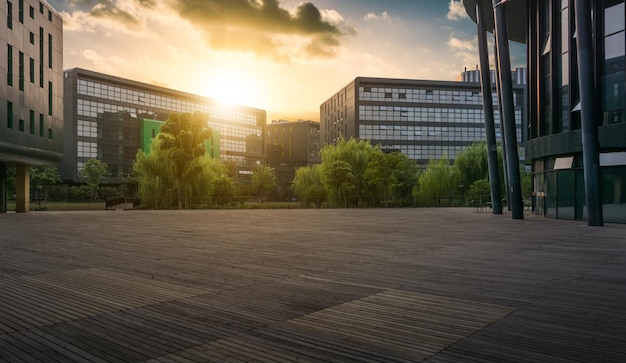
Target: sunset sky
(286, 57)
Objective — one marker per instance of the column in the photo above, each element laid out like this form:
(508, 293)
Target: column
(22, 188)
(485, 83)
(591, 149)
(508, 111)
(3, 187)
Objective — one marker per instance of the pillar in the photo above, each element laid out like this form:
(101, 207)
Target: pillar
(22, 188)
(508, 111)
(485, 83)
(3, 187)
(586, 84)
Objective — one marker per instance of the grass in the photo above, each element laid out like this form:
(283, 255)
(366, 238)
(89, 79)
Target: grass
(60, 206)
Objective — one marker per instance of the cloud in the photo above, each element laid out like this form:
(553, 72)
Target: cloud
(262, 26)
(374, 17)
(456, 10)
(465, 49)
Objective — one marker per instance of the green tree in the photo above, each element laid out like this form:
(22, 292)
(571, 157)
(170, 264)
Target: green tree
(407, 175)
(41, 179)
(264, 181)
(436, 183)
(480, 191)
(182, 137)
(472, 164)
(308, 186)
(357, 154)
(93, 173)
(381, 172)
(155, 178)
(338, 176)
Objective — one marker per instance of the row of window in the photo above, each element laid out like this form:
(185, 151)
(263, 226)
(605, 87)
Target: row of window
(21, 125)
(424, 96)
(20, 12)
(149, 99)
(416, 133)
(31, 63)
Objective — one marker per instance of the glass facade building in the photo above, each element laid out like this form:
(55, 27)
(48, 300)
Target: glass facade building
(31, 97)
(422, 119)
(558, 140)
(105, 117)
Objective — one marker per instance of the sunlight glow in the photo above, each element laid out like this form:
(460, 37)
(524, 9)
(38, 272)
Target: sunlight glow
(233, 88)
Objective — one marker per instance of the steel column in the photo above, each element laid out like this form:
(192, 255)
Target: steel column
(485, 83)
(508, 109)
(591, 149)
(504, 165)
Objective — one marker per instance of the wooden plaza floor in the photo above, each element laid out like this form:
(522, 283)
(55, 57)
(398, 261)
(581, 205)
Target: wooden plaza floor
(331, 285)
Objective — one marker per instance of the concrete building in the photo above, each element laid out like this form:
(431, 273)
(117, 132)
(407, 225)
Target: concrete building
(110, 118)
(291, 145)
(422, 119)
(31, 98)
(577, 100)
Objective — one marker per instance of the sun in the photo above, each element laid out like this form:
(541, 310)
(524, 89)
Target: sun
(232, 87)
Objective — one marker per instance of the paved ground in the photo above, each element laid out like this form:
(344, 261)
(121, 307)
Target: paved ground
(378, 285)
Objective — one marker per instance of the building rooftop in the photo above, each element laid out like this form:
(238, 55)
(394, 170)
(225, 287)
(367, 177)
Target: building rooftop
(383, 285)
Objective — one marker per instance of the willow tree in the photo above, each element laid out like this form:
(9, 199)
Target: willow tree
(356, 153)
(155, 178)
(183, 136)
(308, 186)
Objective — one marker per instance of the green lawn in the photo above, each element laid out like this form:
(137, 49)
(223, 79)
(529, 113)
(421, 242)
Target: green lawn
(60, 206)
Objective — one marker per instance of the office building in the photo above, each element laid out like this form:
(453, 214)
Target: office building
(577, 100)
(422, 119)
(291, 145)
(110, 118)
(31, 99)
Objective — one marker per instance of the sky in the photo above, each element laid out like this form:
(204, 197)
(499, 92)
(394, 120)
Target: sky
(283, 56)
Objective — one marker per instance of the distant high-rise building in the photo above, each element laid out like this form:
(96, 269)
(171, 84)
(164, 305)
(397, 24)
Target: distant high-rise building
(519, 75)
(422, 119)
(31, 97)
(110, 118)
(291, 145)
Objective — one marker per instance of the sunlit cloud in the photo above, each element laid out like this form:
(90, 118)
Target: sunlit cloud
(465, 49)
(456, 10)
(260, 27)
(374, 17)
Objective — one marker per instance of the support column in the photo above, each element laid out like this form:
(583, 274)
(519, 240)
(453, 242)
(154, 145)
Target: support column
(591, 149)
(3, 187)
(22, 188)
(505, 169)
(508, 109)
(485, 83)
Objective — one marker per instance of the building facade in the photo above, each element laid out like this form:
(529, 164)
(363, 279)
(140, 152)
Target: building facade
(110, 118)
(577, 102)
(422, 119)
(291, 145)
(31, 98)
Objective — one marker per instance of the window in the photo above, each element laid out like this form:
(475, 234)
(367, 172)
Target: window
(49, 15)
(21, 70)
(32, 122)
(9, 15)
(20, 11)
(50, 50)
(31, 70)
(41, 7)
(402, 95)
(41, 81)
(50, 135)
(31, 12)
(10, 115)
(367, 89)
(22, 125)
(388, 95)
(32, 38)
(41, 125)
(9, 65)
(50, 99)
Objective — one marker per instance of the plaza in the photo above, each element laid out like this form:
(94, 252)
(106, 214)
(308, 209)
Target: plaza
(378, 285)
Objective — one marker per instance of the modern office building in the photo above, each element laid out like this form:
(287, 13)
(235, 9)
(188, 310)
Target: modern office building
(422, 119)
(291, 145)
(110, 118)
(577, 100)
(31, 98)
